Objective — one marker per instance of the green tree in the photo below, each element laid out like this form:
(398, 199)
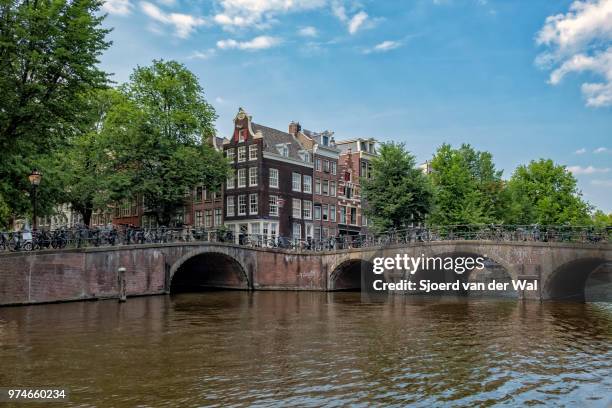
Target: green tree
(49, 52)
(155, 136)
(545, 193)
(398, 194)
(601, 219)
(467, 187)
(83, 165)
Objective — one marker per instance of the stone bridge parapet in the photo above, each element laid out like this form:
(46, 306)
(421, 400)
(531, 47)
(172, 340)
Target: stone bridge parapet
(91, 273)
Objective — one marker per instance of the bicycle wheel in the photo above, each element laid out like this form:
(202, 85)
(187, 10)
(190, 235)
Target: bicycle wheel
(27, 246)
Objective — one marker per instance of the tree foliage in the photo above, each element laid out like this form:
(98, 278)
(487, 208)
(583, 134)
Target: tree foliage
(49, 51)
(601, 219)
(468, 189)
(154, 139)
(545, 193)
(397, 194)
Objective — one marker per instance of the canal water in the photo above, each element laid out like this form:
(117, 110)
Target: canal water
(310, 349)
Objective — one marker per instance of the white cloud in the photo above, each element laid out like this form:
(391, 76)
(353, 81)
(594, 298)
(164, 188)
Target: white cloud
(601, 150)
(308, 31)
(257, 43)
(354, 23)
(206, 54)
(120, 7)
(577, 170)
(580, 41)
(383, 47)
(244, 13)
(184, 24)
(580, 151)
(602, 183)
(357, 22)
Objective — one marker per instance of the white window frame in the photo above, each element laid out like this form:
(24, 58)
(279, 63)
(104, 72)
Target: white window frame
(274, 178)
(242, 204)
(253, 204)
(317, 212)
(252, 176)
(231, 154)
(307, 182)
(252, 152)
(296, 232)
(334, 168)
(332, 188)
(332, 213)
(318, 164)
(231, 180)
(242, 178)
(296, 181)
(307, 209)
(242, 155)
(273, 206)
(296, 208)
(230, 206)
(318, 186)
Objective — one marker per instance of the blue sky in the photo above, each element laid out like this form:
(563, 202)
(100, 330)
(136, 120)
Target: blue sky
(521, 79)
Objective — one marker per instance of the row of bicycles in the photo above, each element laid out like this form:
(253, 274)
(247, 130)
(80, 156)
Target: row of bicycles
(111, 235)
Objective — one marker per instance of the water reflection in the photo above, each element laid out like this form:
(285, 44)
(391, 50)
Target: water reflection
(281, 348)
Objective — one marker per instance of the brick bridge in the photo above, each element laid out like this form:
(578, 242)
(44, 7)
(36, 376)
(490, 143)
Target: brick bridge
(561, 270)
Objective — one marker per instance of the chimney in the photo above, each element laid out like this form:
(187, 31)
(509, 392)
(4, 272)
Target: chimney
(294, 127)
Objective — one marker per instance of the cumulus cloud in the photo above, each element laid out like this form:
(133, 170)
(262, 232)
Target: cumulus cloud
(119, 7)
(580, 41)
(184, 24)
(578, 170)
(245, 13)
(354, 23)
(258, 43)
(601, 150)
(308, 31)
(580, 151)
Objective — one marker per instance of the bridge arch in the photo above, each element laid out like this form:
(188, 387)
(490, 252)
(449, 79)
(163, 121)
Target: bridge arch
(569, 281)
(346, 274)
(208, 268)
(495, 268)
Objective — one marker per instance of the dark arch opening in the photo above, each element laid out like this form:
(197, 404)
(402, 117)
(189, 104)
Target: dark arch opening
(209, 271)
(577, 279)
(348, 275)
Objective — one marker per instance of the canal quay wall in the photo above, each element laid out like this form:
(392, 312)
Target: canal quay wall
(560, 270)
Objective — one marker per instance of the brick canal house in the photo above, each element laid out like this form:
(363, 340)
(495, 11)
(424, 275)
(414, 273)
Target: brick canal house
(325, 174)
(297, 184)
(354, 162)
(205, 207)
(270, 190)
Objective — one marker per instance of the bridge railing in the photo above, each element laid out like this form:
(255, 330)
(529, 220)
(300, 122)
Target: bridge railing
(111, 236)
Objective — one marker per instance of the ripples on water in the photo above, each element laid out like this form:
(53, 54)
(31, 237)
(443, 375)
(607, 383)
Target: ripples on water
(311, 349)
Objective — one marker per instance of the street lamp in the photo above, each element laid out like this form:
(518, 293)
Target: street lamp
(35, 177)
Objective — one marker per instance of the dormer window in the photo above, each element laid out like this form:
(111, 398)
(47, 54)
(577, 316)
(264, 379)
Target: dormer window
(305, 156)
(283, 150)
(241, 135)
(325, 140)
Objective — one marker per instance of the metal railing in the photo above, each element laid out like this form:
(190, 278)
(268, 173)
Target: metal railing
(111, 236)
